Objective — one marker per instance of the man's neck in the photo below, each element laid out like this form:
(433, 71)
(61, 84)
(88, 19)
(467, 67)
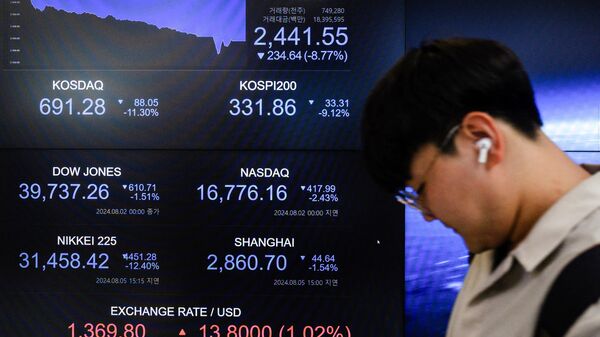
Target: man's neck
(548, 174)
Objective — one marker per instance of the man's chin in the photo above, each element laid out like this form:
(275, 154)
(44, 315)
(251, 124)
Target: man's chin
(474, 247)
(450, 227)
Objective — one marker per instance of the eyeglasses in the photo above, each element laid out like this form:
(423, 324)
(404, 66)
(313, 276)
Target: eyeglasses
(410, 196)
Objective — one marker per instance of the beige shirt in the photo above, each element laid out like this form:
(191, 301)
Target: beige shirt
(506, 301)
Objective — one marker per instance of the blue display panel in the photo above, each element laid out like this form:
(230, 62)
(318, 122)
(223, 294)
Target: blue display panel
(192, 168)
(436, 262)
(203, 229)
(295, 81)
(570, 109)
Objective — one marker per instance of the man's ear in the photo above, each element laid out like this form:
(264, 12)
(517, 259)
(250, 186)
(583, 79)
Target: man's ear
(477, 125)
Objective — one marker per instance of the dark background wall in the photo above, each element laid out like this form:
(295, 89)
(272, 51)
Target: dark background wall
(552, 37)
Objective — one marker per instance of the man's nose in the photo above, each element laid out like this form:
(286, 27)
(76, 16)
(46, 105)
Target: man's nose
(428, 216)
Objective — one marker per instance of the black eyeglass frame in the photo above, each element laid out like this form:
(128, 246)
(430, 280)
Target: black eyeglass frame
(409, 196)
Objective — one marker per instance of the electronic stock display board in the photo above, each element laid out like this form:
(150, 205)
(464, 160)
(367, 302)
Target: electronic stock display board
(192, 168)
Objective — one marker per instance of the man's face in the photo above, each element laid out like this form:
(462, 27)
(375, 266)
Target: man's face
(463, 194)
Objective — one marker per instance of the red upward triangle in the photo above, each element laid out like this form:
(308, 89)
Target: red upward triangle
(182, 332)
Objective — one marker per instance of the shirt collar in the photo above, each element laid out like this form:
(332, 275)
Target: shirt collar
(556, 223)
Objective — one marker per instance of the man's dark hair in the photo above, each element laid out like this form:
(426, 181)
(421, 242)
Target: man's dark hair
(430, 90)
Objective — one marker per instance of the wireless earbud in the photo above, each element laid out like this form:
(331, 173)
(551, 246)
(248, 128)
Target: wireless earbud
(484, 145)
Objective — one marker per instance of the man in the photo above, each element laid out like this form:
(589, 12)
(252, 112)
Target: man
(454, 131)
